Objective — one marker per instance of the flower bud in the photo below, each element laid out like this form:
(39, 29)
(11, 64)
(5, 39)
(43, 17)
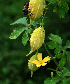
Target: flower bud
(32, 66)
(36, 7)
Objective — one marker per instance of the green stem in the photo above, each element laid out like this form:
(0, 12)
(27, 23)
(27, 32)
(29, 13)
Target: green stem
(41, 21)
(37, 51)
(46, 9)
(50, 55)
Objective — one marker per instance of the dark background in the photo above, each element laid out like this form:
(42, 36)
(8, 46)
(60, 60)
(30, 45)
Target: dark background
(13, 61)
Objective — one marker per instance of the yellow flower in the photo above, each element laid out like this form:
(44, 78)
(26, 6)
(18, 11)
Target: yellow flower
(40, 62)
(36, 7)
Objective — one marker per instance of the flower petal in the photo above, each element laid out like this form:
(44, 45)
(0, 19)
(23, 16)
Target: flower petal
(44, 64)
(39, 56)
(38, 65)
(35, 62)
(46, 59)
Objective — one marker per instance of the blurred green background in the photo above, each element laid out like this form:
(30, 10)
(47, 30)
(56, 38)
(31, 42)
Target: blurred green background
(13, 60)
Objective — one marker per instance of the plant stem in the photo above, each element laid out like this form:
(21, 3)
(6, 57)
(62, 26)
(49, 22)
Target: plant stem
(50, 55)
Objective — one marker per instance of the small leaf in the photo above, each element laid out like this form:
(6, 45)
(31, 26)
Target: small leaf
(16, 32)
(62, 62)
(34, 23)
(63, 8)
(61, 12)
(55, 38)
(51, 81)
(67, 44)
(20, 21)
(57, 50)
(66, 72)
(68, 57)
(52, 44)
(59, 55)
(25, 39)
(30, 30)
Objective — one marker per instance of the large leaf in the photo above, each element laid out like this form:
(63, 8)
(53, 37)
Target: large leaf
(16, 32)
(52, 44)
(20, 21)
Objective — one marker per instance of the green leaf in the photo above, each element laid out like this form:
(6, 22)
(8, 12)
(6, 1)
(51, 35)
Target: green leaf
(64, 81)
(68, 80)
(62, 62)
(61, 12)
(68, 57)
(55, 38)
(34, 23)
(16, 32)
(20, 21)
(51, 80)
(63, 8)
(66, 72)
(52, 44)
(57, 50)
(59, 73)
(25, 39)
(59, 55)
(53, 1)
(30, 30)
(67, 44)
